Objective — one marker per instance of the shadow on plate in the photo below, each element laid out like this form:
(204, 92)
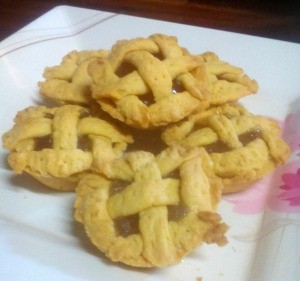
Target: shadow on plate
(25, 181)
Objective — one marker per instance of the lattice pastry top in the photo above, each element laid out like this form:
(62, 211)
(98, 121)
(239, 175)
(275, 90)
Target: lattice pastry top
(222, 81)
(135, 82)
(70, 82)
(150, 82)
(57, 144)
(153, 210)
(243, 147)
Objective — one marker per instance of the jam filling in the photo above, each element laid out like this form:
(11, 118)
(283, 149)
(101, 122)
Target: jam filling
(175, 174)
(149, 140)
(147, 99)
(245, 138)
(85, 113)
(217, 147)
(117, 186)
(84, 143)
(43, 143)
(250, 136)
(177, 87)
(128, 225)
(177, 212)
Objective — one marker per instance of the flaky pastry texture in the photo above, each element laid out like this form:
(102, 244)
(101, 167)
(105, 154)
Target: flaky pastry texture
(153, 210)
(243, 147)
(151, 82)
(69, 82)
(223, 81)
(56, 145)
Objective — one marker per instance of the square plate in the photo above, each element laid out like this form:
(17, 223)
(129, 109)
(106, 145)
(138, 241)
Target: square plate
(39, 238)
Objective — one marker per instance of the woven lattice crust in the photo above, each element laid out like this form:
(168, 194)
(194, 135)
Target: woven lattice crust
(70, 82)
(150, 82)
(58, 144)
(243, 147)
(149, 192)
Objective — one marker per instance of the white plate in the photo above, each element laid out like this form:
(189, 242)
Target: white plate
(39, 239)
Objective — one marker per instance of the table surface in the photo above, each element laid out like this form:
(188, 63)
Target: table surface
(273, 19)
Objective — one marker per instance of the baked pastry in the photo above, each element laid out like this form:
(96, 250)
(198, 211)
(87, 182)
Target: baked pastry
(57, 145)
(146, 208)
(223, 81)
(135, 83)
(70, 82)
(243, 147)
(151, 82)
(152, 211)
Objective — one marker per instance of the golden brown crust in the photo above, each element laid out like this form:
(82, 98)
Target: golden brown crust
(167, 200)
(159, 240)
(70, 82)
(60, 143)
(122, 95)
(221, 131)
(224, 82)
(163, 82)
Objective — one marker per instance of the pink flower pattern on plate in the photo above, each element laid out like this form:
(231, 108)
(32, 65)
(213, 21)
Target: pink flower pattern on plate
(291, 131)
(285, 195)
(291, 187)
(252, 200)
